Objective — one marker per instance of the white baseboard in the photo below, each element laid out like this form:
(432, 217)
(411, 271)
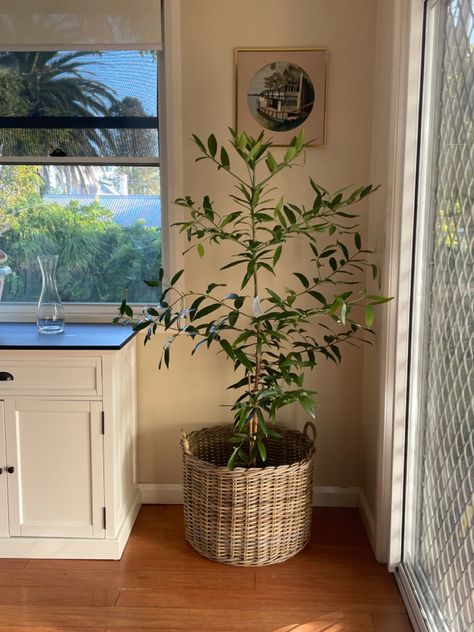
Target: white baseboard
(172, 494)
(367, 518)
(323, 496)
(161, 493)
(335, 496)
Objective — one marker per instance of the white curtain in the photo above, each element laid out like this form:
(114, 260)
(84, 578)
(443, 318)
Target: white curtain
(31, 25)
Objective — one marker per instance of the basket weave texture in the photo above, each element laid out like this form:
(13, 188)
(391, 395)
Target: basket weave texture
(248, 516)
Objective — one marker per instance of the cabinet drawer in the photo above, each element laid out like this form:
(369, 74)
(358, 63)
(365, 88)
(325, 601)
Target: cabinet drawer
(75, 376)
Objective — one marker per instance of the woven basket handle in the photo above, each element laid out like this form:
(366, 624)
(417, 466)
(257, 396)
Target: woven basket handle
(310, 429)
(185, 442)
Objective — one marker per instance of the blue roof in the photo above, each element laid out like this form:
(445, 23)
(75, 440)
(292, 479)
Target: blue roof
(126, 209)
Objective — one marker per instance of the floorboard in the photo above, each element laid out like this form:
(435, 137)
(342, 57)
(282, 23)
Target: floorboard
(161, 583)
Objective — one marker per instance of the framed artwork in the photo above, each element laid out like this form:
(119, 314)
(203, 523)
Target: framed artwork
(280, 91)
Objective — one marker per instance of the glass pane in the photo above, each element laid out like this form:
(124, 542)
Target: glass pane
(84, 143)
(103, 222)
(440, 546)
(38, 89)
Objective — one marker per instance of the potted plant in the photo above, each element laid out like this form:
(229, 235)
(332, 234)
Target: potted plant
(247, 486)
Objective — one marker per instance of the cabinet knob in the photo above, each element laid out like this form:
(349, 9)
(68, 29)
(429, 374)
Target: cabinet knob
(5, 376)
(10, 469)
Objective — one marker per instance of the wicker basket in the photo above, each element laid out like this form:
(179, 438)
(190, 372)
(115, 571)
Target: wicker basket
(248, 516)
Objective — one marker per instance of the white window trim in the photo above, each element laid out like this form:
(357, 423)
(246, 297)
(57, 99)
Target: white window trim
(396, 278)
(171, 177)
(393, 459)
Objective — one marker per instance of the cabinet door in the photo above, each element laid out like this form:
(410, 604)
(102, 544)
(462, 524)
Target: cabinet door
(3, 476)
(56, 448)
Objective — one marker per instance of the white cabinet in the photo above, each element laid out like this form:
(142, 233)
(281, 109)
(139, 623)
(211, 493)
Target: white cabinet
(67, 452)
(55, 453)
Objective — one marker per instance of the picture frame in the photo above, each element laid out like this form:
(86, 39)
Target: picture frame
(280, 91)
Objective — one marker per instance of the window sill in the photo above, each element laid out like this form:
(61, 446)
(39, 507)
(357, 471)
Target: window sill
(73, 312)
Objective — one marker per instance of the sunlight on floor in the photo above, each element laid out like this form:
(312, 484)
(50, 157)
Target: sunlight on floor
(313, 626)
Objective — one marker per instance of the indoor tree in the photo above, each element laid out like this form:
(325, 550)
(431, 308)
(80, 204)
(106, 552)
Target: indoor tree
(272, 335)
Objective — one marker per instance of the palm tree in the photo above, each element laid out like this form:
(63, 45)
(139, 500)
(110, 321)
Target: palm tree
(42, 84)
(52, 84)
(57, 84)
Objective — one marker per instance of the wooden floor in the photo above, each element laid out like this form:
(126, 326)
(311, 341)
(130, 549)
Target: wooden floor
(334, 585)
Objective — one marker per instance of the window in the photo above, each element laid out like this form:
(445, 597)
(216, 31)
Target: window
(79, 150)
(103, 220)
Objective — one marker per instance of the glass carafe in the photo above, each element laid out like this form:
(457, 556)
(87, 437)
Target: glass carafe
(50, 313)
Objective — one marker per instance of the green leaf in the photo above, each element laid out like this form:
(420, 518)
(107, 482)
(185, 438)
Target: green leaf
(357, 241)
(369, 316)
(261, 422)
(143, 325)
(199, 143)
(302, 278)
(229, 218)
(227, 348)
(243, 359)
(335, 201)
(277, 254)
(207, 206)
(299, 141)
(290, 215)
(307, 403)
(318, 296)
(212, 286)
(206, 310)
(194, 305)
(271, 163)
(212, 145)
(365, 191)
(336, 352)
(290, 154)
(377, 300)
(200, 249)
(248, 274)
(239, 301)
(344, 249)
(232, 459)
(152, 283)
(225, 162)
(176, 277)
(232, 318)
(262, 450)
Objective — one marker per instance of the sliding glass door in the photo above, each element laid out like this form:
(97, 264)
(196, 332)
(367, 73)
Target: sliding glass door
(438, 544)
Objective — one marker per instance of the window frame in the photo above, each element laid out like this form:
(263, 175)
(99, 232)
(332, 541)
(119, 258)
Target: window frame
(169, 161)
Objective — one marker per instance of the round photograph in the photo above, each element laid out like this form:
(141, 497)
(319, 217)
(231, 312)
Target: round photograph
(280, 96)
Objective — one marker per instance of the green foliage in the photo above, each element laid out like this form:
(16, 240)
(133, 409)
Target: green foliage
(271, 335)
(19, 185)
(98, 259)
(11, 96)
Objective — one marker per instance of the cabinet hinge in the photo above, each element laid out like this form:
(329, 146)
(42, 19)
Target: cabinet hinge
(103, 423)
(104, 517)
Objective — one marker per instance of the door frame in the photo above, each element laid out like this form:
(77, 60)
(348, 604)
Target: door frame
(401, 177)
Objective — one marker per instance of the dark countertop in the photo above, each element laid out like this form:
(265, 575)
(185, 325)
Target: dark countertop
(74, 337)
